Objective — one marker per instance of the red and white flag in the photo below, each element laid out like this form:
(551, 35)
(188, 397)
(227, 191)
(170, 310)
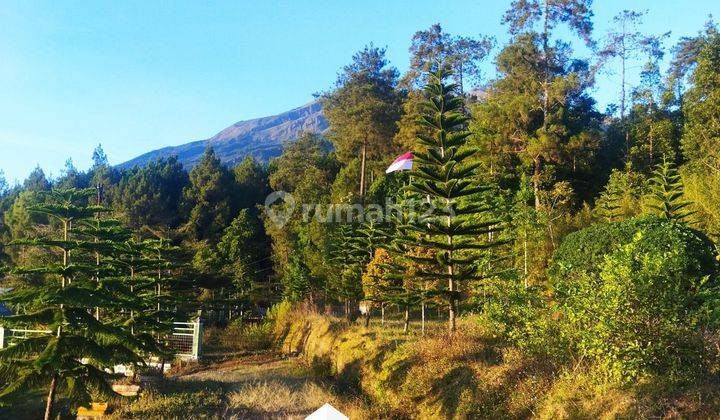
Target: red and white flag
(402, 163)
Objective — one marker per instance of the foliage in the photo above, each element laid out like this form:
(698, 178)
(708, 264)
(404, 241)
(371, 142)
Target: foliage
(700, 109)
(626, 43)
(462, 54)
(36, 181)
(252, 183)
(297, 281)
(375, 276)
(73, 356)
(151, 195)
(514, 134)
(239, 253)
(250, 337)
(210, 199)
(363, 109)
(455, 215)
(666, 193)
(541, 162)
(621, 197)
(633, 295)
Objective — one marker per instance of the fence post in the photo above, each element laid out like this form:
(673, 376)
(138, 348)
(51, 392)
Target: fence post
(197, 338)
(2, 337)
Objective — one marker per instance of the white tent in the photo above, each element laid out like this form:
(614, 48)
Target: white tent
(327, 412)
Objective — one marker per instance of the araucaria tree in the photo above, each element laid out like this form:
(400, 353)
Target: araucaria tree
(666, 193)
(456, 218)
(72, 357)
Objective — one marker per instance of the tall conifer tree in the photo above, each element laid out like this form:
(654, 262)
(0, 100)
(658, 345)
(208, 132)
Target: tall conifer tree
(456, 219)
(73, 356)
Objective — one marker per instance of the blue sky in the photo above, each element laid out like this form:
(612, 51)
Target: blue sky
(138, 75)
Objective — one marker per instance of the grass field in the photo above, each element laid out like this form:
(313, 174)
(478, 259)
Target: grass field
(255, 386)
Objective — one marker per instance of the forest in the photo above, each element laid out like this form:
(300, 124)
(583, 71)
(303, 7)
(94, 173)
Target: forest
(582, 242)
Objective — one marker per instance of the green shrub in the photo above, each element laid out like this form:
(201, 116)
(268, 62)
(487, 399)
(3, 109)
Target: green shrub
(250, 337)
(583, 251)
(197, 404)
(257, 336)
(523, 316)
(634, 296)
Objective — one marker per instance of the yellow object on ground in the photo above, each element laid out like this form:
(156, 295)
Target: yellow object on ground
(96, 410)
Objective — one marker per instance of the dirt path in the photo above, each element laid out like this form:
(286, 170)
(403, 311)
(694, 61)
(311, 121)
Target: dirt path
(251, 387)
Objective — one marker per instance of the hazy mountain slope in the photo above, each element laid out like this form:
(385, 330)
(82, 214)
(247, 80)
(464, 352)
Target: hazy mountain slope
(261, 138)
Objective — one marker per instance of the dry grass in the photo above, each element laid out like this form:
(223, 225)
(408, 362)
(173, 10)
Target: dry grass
(379, 372)
(474, 374)
(278, 399)
(259, 386)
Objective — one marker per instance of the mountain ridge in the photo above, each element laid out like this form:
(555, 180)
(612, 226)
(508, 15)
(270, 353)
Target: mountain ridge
(262, 138)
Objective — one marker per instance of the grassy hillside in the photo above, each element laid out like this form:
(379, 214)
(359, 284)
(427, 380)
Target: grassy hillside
(473, 375)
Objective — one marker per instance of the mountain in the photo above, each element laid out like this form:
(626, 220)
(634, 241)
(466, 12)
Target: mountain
(261, 138)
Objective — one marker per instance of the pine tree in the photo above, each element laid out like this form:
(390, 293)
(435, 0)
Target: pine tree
(210, 198)
(36, 181)
(462, 54)
(3, 184)
(363, 243)
(297, 281)
(405, 283)
(99, 158)
(136, 267)
(625, 43)
(152, 195)
(363, 110)
(512, 130)
(666, 193)
(455, 220)
(523, 15)
(526, 224)
(73, 357)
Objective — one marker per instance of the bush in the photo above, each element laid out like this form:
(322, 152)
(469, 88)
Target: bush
(190, 404)
(247, 337)
(634, 296)
(523, 317)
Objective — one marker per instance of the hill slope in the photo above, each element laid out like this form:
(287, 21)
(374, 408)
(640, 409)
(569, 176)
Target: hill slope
(261, 138)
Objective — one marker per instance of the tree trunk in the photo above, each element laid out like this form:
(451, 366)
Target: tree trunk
(382, 314)
(363, 156)
(453, 303)
(97, 254)
(537, 168)
(546, 64)
(652, 157)
(622, 93)
(51, 397)
(525, 260)
(627, 147)
(623, 54)
(422, 316)
(406, 325)
(460, 76)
